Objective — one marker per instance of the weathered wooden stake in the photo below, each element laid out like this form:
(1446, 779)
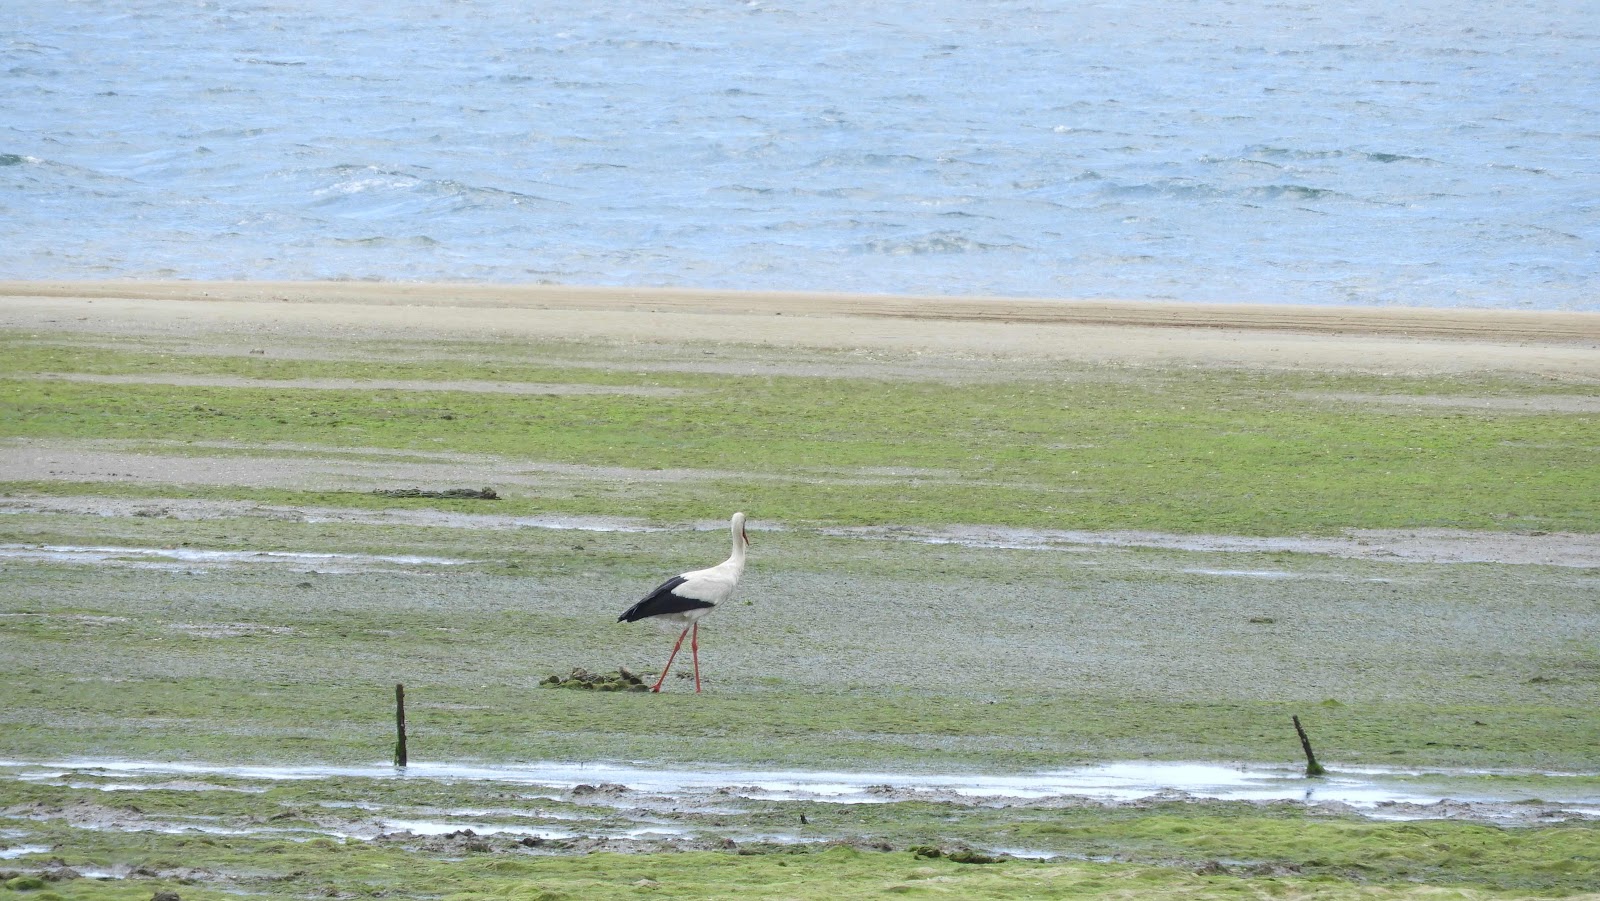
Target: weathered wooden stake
(1312, 767)
(400, 724)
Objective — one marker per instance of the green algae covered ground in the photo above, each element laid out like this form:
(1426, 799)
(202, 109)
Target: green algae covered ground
(196, 569)
(1223, 451)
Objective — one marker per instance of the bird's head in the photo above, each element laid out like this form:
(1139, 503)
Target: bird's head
(738, 529)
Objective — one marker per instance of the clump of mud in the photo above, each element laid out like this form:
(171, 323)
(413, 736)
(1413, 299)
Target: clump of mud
(623, 679)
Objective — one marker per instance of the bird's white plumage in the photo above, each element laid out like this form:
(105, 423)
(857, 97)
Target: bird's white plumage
(715, 584)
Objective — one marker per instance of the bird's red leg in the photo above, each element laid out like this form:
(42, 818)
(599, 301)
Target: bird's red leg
(694, 650)
(674, 656)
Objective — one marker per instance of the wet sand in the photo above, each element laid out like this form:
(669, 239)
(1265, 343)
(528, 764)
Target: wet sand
(1564, 346)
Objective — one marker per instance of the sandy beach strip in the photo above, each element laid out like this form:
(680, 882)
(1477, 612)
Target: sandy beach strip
(1403, 341)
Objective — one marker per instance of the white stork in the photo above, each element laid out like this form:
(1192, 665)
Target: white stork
(688, 597)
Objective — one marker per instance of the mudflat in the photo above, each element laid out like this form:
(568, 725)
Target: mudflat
(1028, 579)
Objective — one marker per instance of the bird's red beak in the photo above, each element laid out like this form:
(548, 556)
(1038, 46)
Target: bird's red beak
(743, 536)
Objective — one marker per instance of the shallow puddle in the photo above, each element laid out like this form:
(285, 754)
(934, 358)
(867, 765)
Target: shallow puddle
(448, 827)
(1244, 573)
(191, 558)
(1368, 789)
(619, 807)
(158, 786)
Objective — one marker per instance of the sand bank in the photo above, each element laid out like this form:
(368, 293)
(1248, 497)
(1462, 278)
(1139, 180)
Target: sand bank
(1557, 345)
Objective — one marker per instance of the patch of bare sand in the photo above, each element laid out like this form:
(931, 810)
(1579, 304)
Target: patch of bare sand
(1401, 341)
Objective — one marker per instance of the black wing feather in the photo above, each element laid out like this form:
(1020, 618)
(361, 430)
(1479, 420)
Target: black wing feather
(661, 602)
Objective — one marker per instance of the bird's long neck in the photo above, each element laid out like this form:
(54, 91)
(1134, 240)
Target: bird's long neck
(737, 560)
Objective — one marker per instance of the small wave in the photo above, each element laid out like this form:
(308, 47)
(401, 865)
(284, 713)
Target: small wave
(870, 160)
(1125, 259)
(451, 187)
(1512, 167)
(1290, 192)
(1447, 52)
(1371, 156)
(1554, 233)
(938, 243)
(361, 186)
(1197, 190)
(357, 186)
(385, 241)
(832, 193)
(30, 72)
(1245, 160)
(1396, 158)
(646, 44)
(13, 159)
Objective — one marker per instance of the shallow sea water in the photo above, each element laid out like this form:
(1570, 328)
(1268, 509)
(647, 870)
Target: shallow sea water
(1431, 153)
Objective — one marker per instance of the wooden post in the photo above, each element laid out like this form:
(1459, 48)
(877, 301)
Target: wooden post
(400, 724)
(1312, 767)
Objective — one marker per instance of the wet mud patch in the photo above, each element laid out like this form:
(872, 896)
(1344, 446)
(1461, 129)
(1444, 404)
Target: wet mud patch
(1393, 545)
(1544, 403)
(463, 386)
(85, 619)
(1569, 549)
(323, 468)
(299, 468)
